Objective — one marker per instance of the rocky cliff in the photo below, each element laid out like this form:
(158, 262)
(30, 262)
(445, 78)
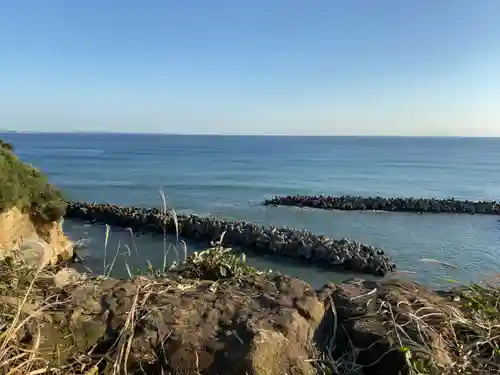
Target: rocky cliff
(31, 213)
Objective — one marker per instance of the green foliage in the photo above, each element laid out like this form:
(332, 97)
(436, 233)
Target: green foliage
(482, 299)
(481, 303)
(220, 263)
(214, 263)
(6, 145)
(25, 187)
(416, 366)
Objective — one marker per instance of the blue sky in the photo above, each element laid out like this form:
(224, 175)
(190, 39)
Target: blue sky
(360, 67)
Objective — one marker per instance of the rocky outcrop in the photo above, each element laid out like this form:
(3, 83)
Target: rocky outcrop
(35, 244)
(299, 244)
(260, 324)
(257, 325)
(30, 213)
(417, 205)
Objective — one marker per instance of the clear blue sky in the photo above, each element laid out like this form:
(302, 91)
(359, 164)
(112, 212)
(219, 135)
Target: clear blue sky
(387, 67)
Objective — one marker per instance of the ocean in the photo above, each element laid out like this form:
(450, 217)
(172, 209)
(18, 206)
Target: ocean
(228, 177)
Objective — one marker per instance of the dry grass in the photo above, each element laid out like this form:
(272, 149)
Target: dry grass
(25, 305)
(18, 287)
(447, 335)
(457, 334)
(213, 263)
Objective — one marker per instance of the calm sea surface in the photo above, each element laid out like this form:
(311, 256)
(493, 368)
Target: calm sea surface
(229, 176)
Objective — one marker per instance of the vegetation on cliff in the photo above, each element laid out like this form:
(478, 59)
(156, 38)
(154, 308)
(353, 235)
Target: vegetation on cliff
(6, 145)
(28, 189)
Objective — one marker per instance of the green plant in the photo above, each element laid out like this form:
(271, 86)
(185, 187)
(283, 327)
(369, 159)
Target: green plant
(217, 263)
(6, 145)
(25, 187)
(416, 366)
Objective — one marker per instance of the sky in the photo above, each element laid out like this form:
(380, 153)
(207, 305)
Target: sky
(330, 67)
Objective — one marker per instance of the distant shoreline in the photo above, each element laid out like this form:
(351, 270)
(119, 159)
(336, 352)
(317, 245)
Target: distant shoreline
(366, 136)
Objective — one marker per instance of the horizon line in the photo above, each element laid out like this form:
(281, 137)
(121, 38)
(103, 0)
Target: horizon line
(81, 132)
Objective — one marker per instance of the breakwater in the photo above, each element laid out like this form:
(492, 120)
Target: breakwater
(344, 254)
(417, 205)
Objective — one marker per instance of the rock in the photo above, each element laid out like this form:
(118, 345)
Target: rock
(33, 244)
(261, 326)
(67, 276)
(298, 244)
(271, 353)
(417, 205)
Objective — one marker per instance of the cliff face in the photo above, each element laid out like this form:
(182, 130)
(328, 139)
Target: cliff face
(35, 244)
(30, 213)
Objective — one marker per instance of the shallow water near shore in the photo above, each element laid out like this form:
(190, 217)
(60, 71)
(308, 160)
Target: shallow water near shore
(228, 177)
(130, 250)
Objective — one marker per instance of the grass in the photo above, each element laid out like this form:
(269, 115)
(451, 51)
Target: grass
(459, 337)
(6, 145)
(214, 263)
(464, 329)
(25, 187)
(26, 301)
(456, 334)
(17, 285)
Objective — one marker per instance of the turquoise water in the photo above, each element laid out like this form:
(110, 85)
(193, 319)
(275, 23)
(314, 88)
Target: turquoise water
(229, 176)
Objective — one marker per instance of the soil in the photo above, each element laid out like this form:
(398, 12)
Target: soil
(250, 325)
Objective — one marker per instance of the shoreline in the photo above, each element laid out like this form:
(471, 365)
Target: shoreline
(213, 313)
(336, 255)
(412, 205)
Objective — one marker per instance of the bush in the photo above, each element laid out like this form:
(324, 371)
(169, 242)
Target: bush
(25, 187)
(6, 145)
(216, 263)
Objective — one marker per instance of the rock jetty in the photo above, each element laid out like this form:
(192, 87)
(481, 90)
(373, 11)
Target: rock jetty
(344, 254)
(417, 205)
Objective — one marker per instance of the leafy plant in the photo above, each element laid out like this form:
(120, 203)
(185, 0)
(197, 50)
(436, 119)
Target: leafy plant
(25, 187)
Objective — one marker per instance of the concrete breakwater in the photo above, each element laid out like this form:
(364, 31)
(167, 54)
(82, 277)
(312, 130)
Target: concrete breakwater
(417, 205)
(344, 254)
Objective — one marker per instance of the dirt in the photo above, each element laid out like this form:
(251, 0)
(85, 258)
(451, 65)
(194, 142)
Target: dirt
(35, 243)
(255, 325)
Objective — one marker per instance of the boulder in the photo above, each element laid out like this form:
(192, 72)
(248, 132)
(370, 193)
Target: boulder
(260, 325)
(257, 324)
(35, 244)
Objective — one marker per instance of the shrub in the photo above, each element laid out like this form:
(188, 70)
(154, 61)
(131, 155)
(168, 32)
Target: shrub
(25, 187)
(6, 145)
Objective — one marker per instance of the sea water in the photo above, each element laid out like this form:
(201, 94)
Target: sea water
(228, 177)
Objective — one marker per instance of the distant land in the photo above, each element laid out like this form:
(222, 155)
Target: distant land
(7, 131)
